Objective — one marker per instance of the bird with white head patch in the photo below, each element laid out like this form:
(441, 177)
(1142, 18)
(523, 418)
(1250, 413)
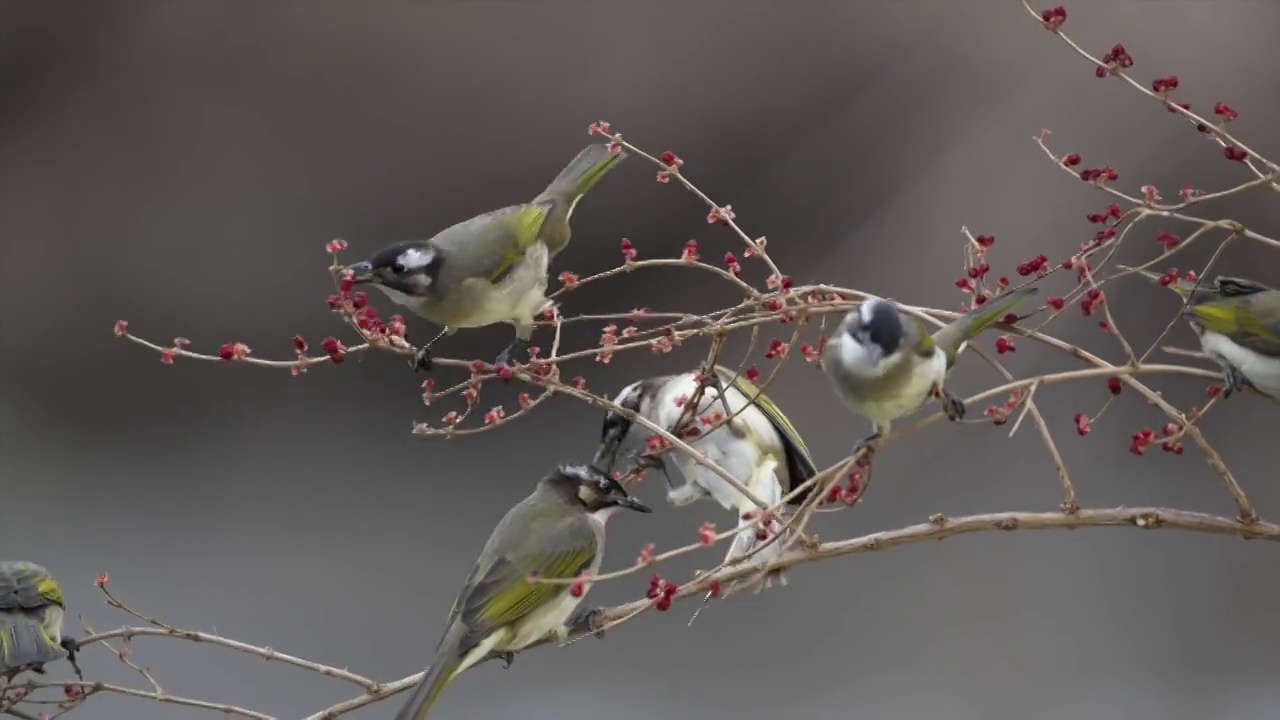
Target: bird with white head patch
(491, 268)
(884, 364)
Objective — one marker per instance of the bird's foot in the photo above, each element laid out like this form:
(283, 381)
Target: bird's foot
(507, 658)
(422, 360)
(586, 620)
(1234, 379)
(866, 446)
(504, 357)
(953, 406)
(71, 645)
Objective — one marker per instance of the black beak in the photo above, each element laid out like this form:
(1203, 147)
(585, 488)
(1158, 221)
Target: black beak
(361, 272)
(607, 454)
(631, 503)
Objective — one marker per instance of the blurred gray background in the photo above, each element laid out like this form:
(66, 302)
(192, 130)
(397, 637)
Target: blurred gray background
(181, 165)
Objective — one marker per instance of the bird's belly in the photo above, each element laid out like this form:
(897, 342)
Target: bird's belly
(1262, 371)
(737, 456)
(486, 304)
(887, 399)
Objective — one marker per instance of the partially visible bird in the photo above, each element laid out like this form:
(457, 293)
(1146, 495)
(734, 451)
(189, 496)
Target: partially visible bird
(759, 447)
(31, 614)
(884, 364)
(491, 268)
(1238, 324)
(556, 533)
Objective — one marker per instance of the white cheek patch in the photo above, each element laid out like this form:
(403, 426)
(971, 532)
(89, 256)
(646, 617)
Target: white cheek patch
(865, 311)
(416, 259)
(420, 282)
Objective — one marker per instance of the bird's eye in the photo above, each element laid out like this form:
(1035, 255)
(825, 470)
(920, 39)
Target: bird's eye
(398, 269)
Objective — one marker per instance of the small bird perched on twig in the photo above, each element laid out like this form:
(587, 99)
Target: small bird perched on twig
(1238, 324)
(491, 268)
(758, 446)
(884, 364)
(556, 533)
(31, 615)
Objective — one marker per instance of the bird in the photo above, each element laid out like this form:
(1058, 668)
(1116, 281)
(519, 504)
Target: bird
(491, 268)
(884, 364)
(557, 532)
(1238, 324)
(758, 446)
(31, 615)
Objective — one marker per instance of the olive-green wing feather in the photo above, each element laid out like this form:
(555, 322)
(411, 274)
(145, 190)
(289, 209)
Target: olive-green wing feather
(800, 465)
(1252, 321)
(500, 592)
(953, 337)
(27, 592)
(488, 246)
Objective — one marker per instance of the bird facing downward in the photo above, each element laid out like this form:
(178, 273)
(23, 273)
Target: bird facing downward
(758, 446)
(884, 364)
(491, 268)
(31, 614)
(1238, 324)
(556, 533)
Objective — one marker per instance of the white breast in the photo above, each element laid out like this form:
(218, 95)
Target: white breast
(740, 449)
(895, 387)
(1262, 371)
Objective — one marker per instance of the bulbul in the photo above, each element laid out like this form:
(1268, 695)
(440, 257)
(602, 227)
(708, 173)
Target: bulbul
(1238, 323)
(884, 364)
(759, 447)
(556, 533)
(31, 614)
(489, 269)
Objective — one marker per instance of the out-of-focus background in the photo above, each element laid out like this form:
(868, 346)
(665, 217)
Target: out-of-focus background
(181, 165)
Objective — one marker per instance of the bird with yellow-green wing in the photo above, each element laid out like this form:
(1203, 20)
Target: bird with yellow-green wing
(491, 268)
(1238, 324)
(758, 446)
(885, 364)
(31, 615)
(555, 533)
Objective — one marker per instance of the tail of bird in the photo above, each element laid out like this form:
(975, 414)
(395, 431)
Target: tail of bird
(953, 337)
(995, 308)
(765, 485)
(443, 668)
(1180, 286)
(581, 174)
(24, 641)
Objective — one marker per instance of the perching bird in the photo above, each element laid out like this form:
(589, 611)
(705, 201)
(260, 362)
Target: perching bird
(491, 268)
(885, 364)
(1238, 323)
(759, 447)
(31, 613)
(556, 533)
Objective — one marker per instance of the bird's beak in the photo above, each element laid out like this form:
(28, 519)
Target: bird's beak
(607, 454)
(361, 272)
(631, 503)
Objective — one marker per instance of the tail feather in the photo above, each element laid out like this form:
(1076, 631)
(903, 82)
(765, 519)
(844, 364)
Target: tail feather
(445, 665)
(24, 642)
(953, 337)
(581, 174)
